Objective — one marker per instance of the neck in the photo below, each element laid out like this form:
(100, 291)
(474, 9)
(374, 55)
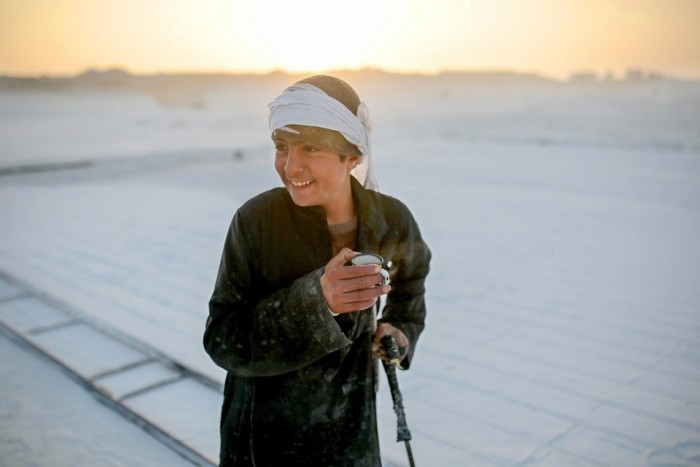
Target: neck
(342, 211)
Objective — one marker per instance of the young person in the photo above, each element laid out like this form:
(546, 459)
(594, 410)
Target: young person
(291, 320)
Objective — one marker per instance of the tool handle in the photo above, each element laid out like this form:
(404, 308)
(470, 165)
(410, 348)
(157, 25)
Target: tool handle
(389, 345)
(392, 351)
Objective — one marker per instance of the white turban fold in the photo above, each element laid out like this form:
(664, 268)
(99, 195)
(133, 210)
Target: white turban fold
(305, 104)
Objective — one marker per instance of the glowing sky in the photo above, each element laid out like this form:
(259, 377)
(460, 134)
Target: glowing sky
(553, 37)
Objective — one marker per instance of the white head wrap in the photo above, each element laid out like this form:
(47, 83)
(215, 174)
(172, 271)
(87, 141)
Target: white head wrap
(305, 104)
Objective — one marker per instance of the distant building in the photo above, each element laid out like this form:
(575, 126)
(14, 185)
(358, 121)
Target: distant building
(583, 77)
(609, 76)
(635, 74)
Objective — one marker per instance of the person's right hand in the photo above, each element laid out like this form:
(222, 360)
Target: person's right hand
(351, 288)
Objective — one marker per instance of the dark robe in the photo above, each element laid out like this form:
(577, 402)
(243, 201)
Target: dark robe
(300, 383)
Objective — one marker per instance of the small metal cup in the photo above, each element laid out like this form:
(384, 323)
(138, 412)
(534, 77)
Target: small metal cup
(371, 258)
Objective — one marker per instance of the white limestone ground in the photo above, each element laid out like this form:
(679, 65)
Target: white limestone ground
(49, 420)
(563, 302)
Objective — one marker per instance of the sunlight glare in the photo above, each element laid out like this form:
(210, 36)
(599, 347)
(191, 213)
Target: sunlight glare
(316, 35)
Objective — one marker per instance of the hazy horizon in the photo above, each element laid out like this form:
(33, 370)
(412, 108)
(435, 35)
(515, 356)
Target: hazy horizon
(599, 74)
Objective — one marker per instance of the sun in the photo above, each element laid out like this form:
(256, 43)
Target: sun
(316, 35)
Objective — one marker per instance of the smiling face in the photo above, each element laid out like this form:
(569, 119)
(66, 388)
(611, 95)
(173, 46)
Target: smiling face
(315, 176)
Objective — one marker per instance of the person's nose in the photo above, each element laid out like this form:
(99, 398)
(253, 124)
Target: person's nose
(293, 165)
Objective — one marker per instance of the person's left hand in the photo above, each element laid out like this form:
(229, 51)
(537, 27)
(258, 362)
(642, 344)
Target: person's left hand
(402, 343)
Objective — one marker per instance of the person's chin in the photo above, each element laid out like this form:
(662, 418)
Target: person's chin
(300, 199)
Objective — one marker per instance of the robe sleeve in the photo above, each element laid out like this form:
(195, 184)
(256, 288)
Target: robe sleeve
(249, 334)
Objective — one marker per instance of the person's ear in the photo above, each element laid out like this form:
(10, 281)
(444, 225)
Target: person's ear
(353, 161)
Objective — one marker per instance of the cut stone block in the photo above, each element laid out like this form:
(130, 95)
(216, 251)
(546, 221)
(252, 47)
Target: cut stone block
(27, 314)
(185, 409)
(87, 351)
(119, 385)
